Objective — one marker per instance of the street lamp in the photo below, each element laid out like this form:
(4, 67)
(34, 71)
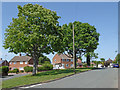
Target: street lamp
(73, 51)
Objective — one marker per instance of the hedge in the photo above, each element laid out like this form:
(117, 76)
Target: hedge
(28, 69)
(4, 70)
(45, 67)
(14, 71)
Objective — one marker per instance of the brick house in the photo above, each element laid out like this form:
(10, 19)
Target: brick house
(62, 61)
(3, 62)
(20, 62)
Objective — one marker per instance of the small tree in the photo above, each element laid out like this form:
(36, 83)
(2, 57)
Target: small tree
(102, 59)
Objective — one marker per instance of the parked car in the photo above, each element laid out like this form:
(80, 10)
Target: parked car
(115, 65)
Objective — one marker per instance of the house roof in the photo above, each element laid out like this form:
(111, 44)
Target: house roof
(2, 61)
(21, 58)
(63, 56)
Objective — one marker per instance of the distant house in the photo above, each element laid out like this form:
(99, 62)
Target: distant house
(62, 61)
(110, 60)
(20, 62)
(3, 62)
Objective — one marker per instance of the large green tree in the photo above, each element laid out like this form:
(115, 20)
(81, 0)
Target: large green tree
(35, 31)
(86, 39)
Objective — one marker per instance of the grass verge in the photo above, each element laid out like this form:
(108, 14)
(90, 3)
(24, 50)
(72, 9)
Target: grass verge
(40, 77)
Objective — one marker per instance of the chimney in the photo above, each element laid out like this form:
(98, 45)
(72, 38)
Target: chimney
(20, 54)
(0, 59)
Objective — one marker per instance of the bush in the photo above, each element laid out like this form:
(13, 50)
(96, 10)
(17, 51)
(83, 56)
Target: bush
(14, 71)
(40, 68)
(22, 71)
(5, 70)
(85, 65)
(47, 66)
(28, 69)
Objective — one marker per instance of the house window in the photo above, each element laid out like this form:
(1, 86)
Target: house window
(55, 60)
(14, 62)
(71, 65)
(63, 65)
(21, 68)
(63, 60)
(21, 62)
(26, 62)
(10, 62)
(71, 60)
(67, 60)
(67, 65)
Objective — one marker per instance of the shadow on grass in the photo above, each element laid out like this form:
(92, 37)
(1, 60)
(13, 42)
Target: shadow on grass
(58, 71)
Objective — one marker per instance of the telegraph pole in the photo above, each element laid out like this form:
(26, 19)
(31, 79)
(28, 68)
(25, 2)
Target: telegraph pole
(73, 51)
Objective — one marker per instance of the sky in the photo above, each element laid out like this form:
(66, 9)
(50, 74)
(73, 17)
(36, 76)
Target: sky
(103, 15)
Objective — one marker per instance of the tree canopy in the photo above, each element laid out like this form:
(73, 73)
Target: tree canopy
(86, 38)
(35, 31)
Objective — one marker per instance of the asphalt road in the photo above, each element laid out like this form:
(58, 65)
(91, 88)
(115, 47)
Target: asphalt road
(102, 78)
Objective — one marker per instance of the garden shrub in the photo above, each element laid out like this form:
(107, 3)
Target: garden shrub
(47, 66)
(41, 68)
(14, 71)
(84, 64)
(5, 70)
(28, 69)
(22, 71)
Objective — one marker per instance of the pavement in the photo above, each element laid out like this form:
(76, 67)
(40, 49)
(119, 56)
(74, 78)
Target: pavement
(10, 76)
(100, 78)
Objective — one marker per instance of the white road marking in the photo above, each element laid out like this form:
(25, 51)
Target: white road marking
(31, 86)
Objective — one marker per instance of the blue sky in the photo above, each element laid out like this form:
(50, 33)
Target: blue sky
(104, 16)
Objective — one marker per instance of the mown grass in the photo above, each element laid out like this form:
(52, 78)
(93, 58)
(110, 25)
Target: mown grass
(40, 77)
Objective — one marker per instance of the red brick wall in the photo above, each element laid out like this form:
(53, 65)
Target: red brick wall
(66, 62)
(17, 65)
(58, 59)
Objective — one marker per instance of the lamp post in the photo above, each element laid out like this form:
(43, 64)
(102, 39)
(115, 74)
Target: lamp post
(73, 51)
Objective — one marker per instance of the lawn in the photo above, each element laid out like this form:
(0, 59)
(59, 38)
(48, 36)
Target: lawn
(40, 77)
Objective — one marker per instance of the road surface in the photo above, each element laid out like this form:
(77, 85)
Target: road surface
(101, 78)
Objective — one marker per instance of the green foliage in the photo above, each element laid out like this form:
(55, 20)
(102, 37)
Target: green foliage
(102, 59)
(4, 70)
(22, 71)
(43, 59)
(48, 66)
(84, 64)
(41, 68)
(117, 58)
(28, 69)
(86, 37)
(14, 71)
(45, 66)
(35, 31)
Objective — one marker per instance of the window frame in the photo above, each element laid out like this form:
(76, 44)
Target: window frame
(14, 62)
(21, 62)
(26, 62)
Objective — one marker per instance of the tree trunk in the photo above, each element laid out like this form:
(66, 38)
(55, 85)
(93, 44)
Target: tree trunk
(34, 66)
(88, 60)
